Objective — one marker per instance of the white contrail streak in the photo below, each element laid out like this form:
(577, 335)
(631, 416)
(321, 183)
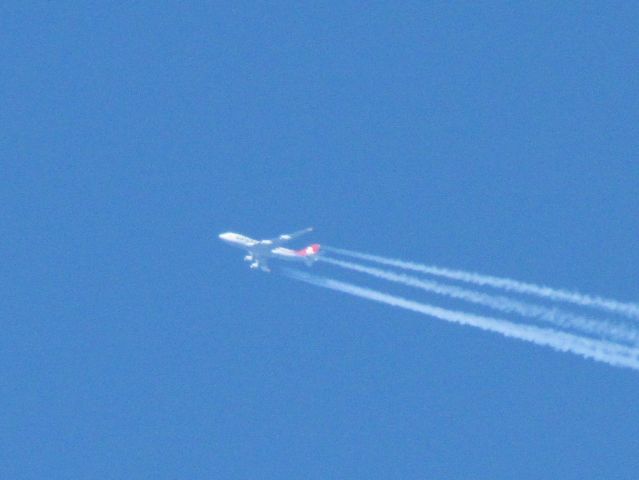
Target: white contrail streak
(602, 351)
(628, 309)
(503, 304)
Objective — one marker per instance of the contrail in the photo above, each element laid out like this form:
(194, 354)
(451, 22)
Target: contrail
(503, 304)
(628, 309)
(603, 351)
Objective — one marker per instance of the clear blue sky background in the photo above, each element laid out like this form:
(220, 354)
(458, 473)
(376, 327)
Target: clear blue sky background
(500, 138)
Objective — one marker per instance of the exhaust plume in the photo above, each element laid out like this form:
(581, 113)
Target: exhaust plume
(603, 351)
(503, 304)
(630, 310)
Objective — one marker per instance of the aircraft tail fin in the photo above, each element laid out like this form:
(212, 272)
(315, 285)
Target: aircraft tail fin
(309, 251)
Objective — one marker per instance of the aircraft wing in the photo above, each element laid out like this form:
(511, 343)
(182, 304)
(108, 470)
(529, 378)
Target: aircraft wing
(290, 236)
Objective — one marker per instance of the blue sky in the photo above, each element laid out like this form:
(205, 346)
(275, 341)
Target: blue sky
(500, 138)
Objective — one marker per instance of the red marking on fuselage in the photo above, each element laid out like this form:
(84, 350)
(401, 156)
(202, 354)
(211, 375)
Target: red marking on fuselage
(310, 250)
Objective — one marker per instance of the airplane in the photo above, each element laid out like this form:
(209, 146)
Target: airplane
(259, 251)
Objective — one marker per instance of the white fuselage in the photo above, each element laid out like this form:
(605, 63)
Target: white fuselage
(261, 250)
